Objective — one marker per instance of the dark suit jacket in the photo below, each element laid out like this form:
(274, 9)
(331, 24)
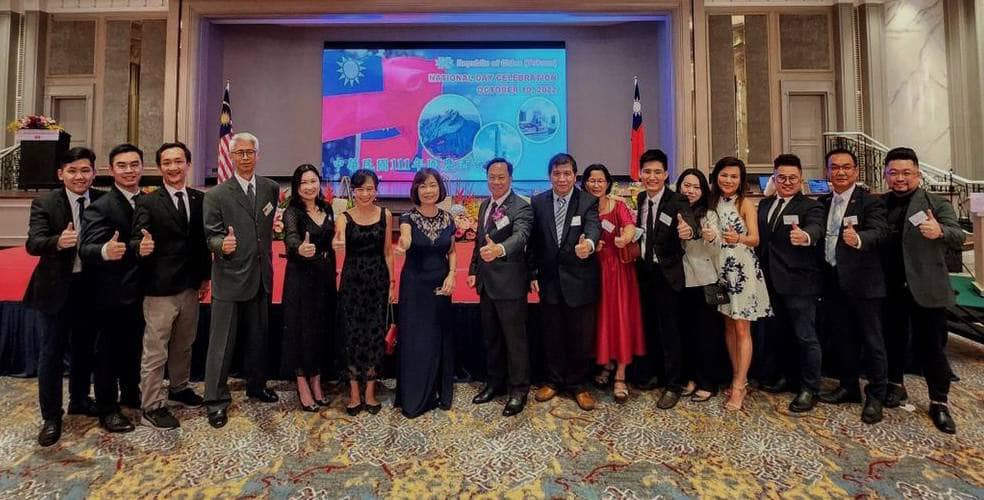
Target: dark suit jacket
(789, 269)
(563, 277)
(859, 271)
(117, 282)
(50, 214)
(505, 278)
(180, 260)
(667, 246)
(238, 276)
(925, 261)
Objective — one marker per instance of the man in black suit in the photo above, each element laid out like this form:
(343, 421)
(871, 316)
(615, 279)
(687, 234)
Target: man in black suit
(921, 227)
(566, 275)
(107, 224)
(666, 219)
(790, 224)
(169, 237)
(239, 229)
(854, 285)
(59, 290)
(499, 272)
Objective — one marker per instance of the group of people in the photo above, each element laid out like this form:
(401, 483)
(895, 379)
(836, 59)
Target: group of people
(647, 296)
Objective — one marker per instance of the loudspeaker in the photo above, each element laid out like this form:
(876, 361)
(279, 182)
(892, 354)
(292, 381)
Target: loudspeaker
(39, 162)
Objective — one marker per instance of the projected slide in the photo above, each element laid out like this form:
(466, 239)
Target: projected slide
(396, 108)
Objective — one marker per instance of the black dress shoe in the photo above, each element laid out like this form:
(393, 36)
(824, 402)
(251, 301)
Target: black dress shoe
(488, 393)
(804, 401)
(895, 395)
(668, 400)
(85, 407)
(353, 410)
(218, 418)
(841, 395)
(50, 432)
(515, 405)
(940, 414)
(266, 395)
(776, 387)
(116, 422)
(872, 412)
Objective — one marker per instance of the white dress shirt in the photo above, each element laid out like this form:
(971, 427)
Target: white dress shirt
(73, 203)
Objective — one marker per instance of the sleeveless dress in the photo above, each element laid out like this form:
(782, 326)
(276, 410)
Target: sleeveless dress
(739, 269)
(425, 349)
(362, 297)
(619, 314)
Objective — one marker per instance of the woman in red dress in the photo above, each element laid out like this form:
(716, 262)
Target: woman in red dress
(619, 316)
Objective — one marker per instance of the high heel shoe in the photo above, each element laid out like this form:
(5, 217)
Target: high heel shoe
(354, 410)
(738, 393)
(620, 391)
(325, 401)
(373, 409)
(312, 408)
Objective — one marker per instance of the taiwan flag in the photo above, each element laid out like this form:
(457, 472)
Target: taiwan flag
(638, 135)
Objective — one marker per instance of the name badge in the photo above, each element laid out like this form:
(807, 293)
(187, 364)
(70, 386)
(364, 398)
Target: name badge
(918, 218)
(501, 223)
(576, 220)
(789, 220)
(267, 209)
(607, 225)
(665, 219)
(851, 220)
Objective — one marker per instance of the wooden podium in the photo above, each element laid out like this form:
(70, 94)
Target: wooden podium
(40, 152)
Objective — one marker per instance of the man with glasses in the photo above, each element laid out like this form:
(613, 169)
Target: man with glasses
(790, 224)
(239, 228)
(921, 228)
(854, 285)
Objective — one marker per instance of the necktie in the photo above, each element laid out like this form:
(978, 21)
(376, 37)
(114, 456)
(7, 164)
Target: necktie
(560, 216)
(650, 232)
(78, 218)
(833, 230)
(490, 219)
(775, 214)
(251, 194)
(182, 209)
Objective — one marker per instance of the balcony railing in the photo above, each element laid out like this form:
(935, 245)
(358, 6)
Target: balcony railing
(9, 167)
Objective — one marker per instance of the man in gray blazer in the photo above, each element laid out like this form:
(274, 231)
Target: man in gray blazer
(499, 272)
(922, 226)
(239, 228)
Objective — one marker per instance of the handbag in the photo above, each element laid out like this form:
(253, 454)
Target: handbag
(391, 332)
(716, 294)
(631, 251)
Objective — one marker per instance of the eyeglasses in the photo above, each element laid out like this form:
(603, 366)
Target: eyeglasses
(787, 179)
(244, 153)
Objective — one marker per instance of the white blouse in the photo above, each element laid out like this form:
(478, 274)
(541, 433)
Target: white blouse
(700, 257)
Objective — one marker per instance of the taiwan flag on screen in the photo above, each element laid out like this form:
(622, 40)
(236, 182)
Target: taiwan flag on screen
(371, 105)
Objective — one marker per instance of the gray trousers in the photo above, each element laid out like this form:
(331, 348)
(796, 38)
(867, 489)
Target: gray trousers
(171, 326)
(249, 319)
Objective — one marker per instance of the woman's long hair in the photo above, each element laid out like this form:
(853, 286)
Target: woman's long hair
(700, 206)
(295, 185)
(728, 161)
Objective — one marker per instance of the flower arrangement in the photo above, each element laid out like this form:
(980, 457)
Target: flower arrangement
(34, 122)
(628, 193)
(465, 212)
(149, 189)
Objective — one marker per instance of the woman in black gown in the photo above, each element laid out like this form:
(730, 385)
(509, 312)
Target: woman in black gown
(309, 284)
(365, 289)
(426, 349)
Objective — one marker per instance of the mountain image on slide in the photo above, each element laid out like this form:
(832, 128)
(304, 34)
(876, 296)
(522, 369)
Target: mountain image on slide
(448, 135)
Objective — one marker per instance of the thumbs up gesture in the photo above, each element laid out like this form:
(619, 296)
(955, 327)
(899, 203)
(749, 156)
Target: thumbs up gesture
(708, 233)
(338, 242)
(146, 243)
(731, 236)
(490, 251)
(306, 248)
(930, 228)
(850, 236)
(69, 237)
(403, 244)
(229, 242)
(799, 237)
(114, 248)
(583, 248)
(684, 231)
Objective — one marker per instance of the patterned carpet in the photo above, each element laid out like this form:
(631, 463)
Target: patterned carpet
(551, 450)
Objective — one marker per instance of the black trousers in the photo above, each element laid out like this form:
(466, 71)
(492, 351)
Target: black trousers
(506, 344)
(569, 339)
(69, 328)
(664, 347)
(852, 323)
(704, 351)
(792, 349)
(928, 330)
(119, 346)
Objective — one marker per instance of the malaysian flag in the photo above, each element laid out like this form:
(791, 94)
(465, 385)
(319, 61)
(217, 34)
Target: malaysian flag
(225, 168)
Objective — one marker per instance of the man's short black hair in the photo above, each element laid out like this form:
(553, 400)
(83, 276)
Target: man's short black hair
(561, 159)
(77, 153)
(654, 155)
(787, 160)
(902, 154)
(493, 161)
(124, 148)
(168, 145)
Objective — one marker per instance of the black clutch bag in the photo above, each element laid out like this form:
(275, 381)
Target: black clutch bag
(716, 294)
